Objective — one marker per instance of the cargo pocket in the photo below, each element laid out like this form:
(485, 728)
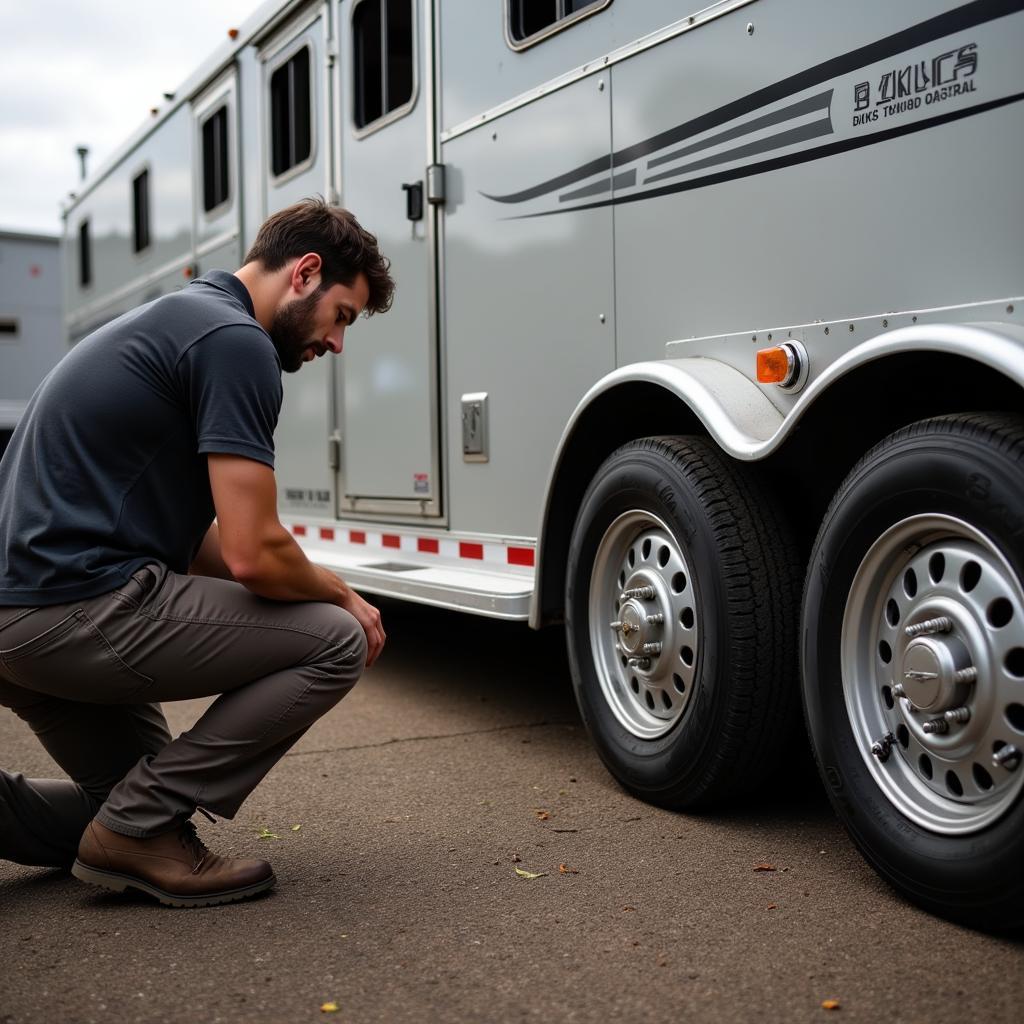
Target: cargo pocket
(74, 660)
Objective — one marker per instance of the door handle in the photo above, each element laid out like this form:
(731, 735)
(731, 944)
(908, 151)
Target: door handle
(413, 200)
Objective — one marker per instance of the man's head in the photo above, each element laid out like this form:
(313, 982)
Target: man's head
(328, 270)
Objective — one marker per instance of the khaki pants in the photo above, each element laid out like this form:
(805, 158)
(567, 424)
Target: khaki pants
(86, 676)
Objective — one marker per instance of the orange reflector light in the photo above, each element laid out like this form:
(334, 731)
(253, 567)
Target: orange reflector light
(232, 33)
(774, 365)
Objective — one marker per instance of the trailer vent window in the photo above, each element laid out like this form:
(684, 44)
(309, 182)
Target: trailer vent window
(84, 255)
(140, 206)
(215, 160)
(528, 18)
(382, 58)
(291, 121)
(8, 329)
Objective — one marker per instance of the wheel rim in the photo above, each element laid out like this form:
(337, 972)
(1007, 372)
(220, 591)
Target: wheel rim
(644, 628)
(933, 672)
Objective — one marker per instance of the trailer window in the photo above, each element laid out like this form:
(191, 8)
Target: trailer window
(291, 122)
(84, 255)
(8, 329)
(140, 211)
(215, 159)
(530, 18)
(382, 58)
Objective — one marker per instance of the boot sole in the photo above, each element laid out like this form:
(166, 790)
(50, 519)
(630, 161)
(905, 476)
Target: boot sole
(115, 882)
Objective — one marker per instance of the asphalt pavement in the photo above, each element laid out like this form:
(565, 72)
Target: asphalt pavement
(396, 827)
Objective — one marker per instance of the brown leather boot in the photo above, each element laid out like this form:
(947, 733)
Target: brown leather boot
(174, 867)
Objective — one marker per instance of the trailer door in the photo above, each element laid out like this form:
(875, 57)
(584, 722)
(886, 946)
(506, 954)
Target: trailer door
(386, 386)
(297, 151)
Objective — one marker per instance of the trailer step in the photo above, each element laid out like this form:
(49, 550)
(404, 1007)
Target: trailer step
(484, 576)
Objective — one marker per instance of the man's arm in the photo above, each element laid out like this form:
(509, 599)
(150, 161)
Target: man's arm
(208, 560)
(263, 556)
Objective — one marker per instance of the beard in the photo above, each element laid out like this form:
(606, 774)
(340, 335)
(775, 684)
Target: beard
(292, 329)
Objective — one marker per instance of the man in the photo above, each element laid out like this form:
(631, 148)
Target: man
(118, 589)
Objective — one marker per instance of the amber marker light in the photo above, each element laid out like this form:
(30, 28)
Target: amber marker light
(785, 365)
(232, 33)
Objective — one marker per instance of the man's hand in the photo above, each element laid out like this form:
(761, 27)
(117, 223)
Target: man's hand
(369, 618)
(264, 557)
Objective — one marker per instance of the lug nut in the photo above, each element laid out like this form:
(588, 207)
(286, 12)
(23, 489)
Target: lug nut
(1007, 757)
(960, 715)
(640, 662)
(643, 593)
(652, 648)
(898, 691)
(965, 675)
(656, 619)
(943, 624)
(936, 725)
(616, 625)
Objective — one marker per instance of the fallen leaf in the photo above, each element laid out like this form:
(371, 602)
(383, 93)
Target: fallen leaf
(564, 869)
(516, 859)
(295, 828)
(764, 867)
(329, 1007)
(265, 833)
(543, 815)
(830, 1004)
(773, 906)
(530, 874)
(629, 908)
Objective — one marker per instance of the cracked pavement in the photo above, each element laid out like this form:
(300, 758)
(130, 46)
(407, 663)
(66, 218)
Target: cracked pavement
(458, 759)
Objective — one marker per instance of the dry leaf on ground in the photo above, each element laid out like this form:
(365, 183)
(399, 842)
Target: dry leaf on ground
(329, 1007)
(830, 1004)
(530, 874)
(564, 869)
(773, 906)
(764, 867)
(543, 815)
(295, 828)
(265, 833)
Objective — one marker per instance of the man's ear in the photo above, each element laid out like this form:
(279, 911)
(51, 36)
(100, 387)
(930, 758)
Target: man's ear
(305, 276)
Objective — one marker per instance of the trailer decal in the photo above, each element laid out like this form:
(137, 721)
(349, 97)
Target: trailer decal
(871, 89)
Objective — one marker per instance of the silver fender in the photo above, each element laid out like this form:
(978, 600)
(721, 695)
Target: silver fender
(738, 414)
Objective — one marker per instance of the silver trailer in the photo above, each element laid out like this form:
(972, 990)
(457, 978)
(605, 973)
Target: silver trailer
(707, 344)
(31, 337)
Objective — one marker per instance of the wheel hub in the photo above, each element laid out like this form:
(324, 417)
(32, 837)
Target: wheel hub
(930, 673)
(933, 672)
(643, 624)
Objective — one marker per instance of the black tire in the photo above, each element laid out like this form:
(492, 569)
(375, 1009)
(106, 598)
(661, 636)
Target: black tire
(968, 471)
(741, 701)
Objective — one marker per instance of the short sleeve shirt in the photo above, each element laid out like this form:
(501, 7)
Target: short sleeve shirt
(107, 471)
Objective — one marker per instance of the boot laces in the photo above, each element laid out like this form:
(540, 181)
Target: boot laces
(190, 841)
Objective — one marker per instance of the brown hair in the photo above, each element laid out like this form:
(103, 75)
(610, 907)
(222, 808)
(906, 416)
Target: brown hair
(346, 248)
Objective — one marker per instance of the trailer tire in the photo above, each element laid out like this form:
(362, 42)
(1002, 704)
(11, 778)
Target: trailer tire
(917, 570)
(704, 548)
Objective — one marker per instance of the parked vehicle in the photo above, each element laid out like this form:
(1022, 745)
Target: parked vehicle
(696, 314)
(31, 332)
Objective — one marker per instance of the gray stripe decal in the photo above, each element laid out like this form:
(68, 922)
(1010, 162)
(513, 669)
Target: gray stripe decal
(790, 138)
(627, 179)
(819, 102)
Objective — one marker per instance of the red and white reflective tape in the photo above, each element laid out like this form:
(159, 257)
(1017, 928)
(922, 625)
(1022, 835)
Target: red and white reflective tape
(486, 552)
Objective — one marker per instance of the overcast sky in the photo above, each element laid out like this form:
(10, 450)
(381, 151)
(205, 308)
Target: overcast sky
(87, 72)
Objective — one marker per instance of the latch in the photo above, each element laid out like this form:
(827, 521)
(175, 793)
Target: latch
(413, 200)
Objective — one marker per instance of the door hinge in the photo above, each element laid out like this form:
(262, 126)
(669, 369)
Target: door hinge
(334, 451)
(435, 184)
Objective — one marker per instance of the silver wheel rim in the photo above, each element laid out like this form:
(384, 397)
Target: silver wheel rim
(933, 673)
(644, 629)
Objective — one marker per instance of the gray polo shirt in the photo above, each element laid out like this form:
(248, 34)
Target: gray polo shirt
(107, 468)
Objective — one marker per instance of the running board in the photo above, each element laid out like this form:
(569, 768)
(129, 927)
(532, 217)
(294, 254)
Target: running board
(487, 577)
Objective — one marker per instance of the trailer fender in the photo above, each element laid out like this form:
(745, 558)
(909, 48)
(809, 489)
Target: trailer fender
(693, 392)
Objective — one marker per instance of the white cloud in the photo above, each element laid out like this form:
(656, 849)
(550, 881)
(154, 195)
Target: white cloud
(87, 73)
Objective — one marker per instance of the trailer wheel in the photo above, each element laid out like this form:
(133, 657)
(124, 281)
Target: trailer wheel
(681, 604)
(913, 663)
